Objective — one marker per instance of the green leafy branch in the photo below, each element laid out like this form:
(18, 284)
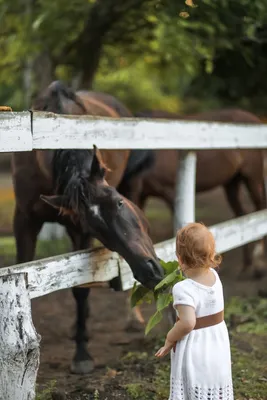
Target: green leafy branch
(161, 295)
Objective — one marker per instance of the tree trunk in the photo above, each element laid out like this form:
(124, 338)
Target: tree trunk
(90, 43)
(90, 59)
(27, 84)
(19, 342)
(44, 72)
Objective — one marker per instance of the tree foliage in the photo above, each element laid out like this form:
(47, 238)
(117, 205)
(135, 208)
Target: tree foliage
(166, 48)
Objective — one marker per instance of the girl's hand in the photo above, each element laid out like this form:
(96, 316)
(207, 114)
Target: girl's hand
(163, 351)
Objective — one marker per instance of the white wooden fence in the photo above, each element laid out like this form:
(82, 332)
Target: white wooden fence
(18, 284)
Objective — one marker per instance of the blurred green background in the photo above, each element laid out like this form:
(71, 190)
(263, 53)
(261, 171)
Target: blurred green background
(178, 56)
(168, 54)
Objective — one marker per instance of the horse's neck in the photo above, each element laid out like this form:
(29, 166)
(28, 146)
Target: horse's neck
(95, 106)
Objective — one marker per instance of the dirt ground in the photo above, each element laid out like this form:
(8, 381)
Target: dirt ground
(53, 315)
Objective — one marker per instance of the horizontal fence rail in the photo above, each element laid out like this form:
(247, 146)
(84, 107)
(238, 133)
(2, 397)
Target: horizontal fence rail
(28, 130)
(100, 265)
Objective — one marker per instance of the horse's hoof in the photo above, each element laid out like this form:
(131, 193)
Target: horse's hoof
(82, 367)
(259, 270)
(58, 395)
(259, 273)
(246, 273)
(262, 293)
(134, 326)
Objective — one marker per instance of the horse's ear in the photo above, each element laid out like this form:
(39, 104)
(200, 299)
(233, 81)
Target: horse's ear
(98, 167)
(58, 202)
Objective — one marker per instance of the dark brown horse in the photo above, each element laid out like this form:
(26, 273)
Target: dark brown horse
(76, 188)
(227, 168)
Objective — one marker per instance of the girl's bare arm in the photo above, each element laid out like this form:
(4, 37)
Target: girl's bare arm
(186, 323)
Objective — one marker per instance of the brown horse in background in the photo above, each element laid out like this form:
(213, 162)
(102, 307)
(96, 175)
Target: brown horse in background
(227, 168)
(76, 188)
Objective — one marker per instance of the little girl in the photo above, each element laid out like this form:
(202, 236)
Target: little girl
(199, 341)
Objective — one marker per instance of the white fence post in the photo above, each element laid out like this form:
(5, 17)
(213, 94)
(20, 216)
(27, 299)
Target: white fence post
(19, 342)
(52, 231)
(185, 189)
(184, 211)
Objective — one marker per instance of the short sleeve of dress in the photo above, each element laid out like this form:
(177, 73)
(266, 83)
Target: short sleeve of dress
(182, 296)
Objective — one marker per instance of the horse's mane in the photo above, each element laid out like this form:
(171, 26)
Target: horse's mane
(54, 99)
(71, 168)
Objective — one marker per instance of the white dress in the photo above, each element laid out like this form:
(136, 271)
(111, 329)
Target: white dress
(201, 363)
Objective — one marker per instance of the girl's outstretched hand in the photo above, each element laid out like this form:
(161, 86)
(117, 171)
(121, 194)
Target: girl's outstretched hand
(163, 351)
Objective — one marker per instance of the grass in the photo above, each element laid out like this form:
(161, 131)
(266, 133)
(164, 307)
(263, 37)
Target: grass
(246, 319)
(44, 248)
(140, 376)
(143, 377)
(47, 392)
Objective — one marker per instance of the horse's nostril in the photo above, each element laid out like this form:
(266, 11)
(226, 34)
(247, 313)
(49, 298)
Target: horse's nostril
(156, 268)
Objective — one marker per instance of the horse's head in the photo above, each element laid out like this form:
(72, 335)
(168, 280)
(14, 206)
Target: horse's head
(99, 210)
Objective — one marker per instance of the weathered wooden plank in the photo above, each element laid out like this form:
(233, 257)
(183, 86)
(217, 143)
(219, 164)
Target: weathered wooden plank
(237, 232)
(52, 231)
(51, 131)
(19, 342)
(60, 131)
(228, 235)
(67, 270)
(73, 269)
(15, 131)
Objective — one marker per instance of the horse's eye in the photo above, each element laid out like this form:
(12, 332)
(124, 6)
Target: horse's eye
(120, 203)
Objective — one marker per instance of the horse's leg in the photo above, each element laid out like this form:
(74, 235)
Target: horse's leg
(232, 190)
(169, 197)
(82, 362)
(256, 190)
(135, 319)
(26, 228)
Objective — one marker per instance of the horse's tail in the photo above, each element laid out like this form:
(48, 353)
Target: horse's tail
(264, 178)
(260, 249)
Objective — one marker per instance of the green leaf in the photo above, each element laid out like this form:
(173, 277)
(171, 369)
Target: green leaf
(38, 22)
(209, 66)
(153, 321)
(138, 294)
(163, 301)
(169, 266)
(167, 280)
(149, 297)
